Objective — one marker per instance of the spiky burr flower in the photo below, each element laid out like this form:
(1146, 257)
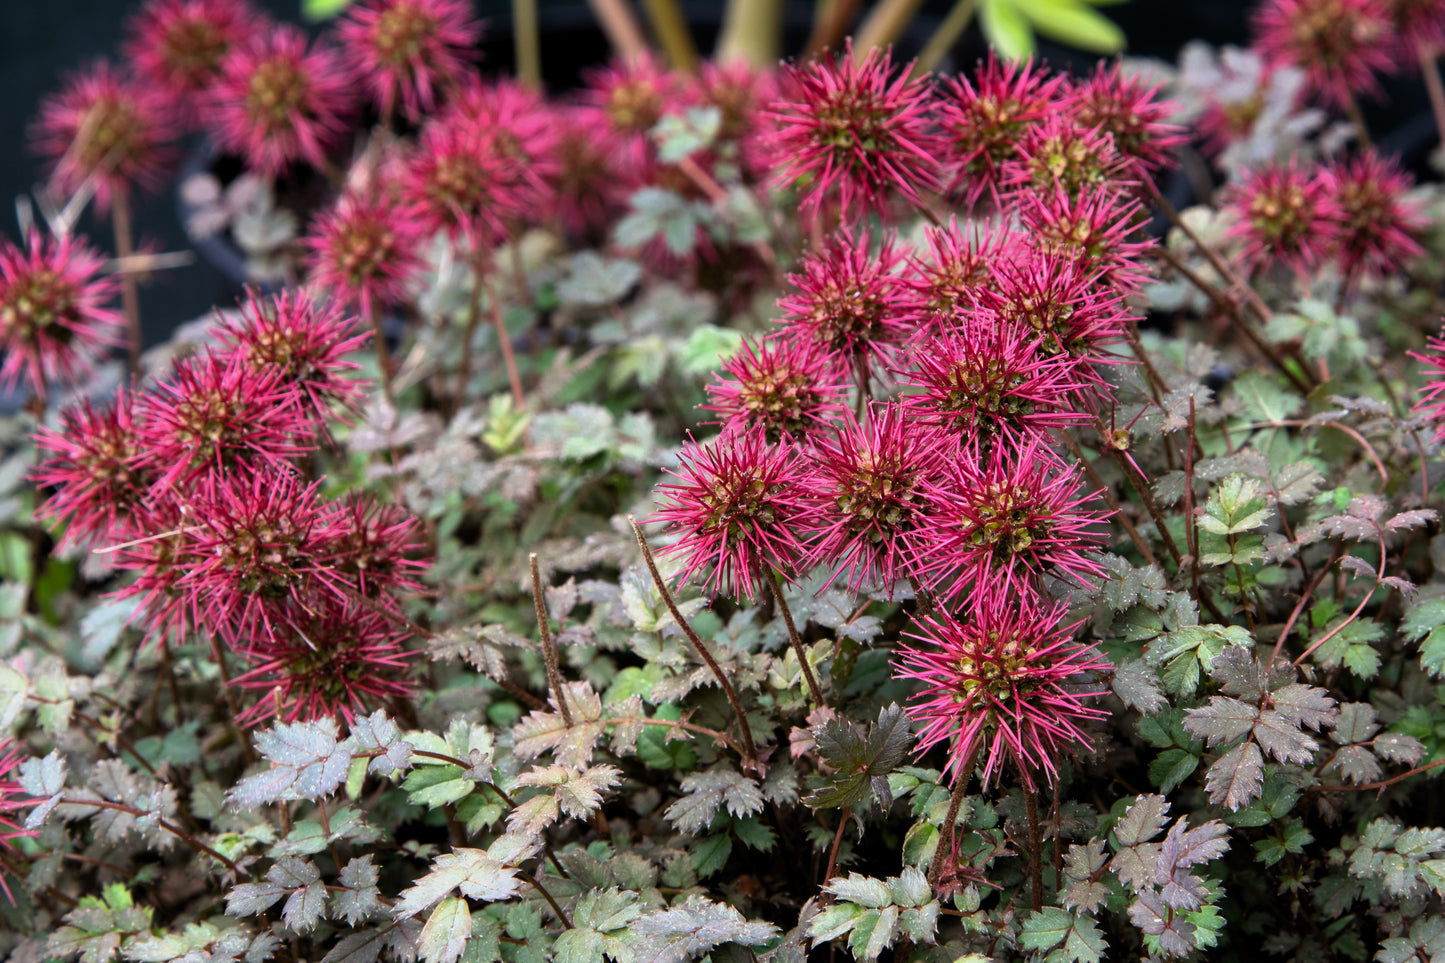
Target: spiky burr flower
(984, 121)
(176, 46)
(737, 508)
(409, 52)
(632, 98)
(459, 180)
(339, 660)
(1418, 23)
(365, 250)
(849, 303)
(868, 493)
(1431, 404)
(302, 345)
(54, 314)
(1063, 308)
(1007, 517)
(1098, 231)
(1282, 216)
(589, 190)
(1004, 684)
(105, 130)
(1340, 44)
(260, 550)
(1129, 111)
(93, 465)
(376, 548)
(781, 385)
(277, 102)
(1378, 227)
(990, 380)
(1058, 154)
(10, 803)
(741, 93)
(219, 416)
(856, 132)
(961, 262)
(522, 130)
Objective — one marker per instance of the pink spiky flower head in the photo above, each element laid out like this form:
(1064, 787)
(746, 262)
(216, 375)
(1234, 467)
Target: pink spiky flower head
(854, 132)
(850, 303)
(1340, 44)
(10, 804)
(1378, 226)
(1050, 298)
(1058, 154)
(301, 344)
(277, 102)
(737, 508)
(1002, 687)
(985, 120)
(339, 660)
(157, 546)
(365, 250)
(1282, 217)
(106, 131)
(376, 548)
(54, 318)
(1099, 231)
(962, 262)
(868, 495)
(1005, 519)
(589, 189)
(1127, 109)
(1420, 24)
(409, 51)
(261, 554)
(742, 93)
(632, 96)
(217, 415)
(781, 385)
(1431, 405)
(518, 125)
(94, 469)
(990, 381)
(460, 180)
(176, 46)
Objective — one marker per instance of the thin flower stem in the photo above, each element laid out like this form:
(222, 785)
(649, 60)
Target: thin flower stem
(830, 27)
(843, 817)
(550, 901)
(1379, 574)
(1036, 867)
(1299, 608)
(945, 36)
(526, 39)
(480, 266)
(884, 24)
(1383, 784)
(130, 293)
(708, 185)
(1108, 496)
(499, 324)
(165, 824)
(793, 638)
(670, 27)
(383, 352)
(549, 646)
(947, 834)
(750, 752)
(1357, 120)
(621, 27)
(229, 696)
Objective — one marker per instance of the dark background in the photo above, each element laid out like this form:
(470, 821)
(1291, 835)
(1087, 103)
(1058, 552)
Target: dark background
(40, 40)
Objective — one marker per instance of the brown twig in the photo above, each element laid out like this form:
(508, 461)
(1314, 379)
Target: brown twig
(793, 638)
(549, 646)
(1036, 866)
(1383, 784)
(130, 294)
(1108, 496)
(750, 751)
(947, 833)
(165, 824)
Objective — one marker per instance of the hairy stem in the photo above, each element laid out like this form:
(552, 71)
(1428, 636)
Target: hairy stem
(130, 293)
(948, 832)
(750, 751)
(793, 638)
(843, 817)
(1036, 866)
(549, 646)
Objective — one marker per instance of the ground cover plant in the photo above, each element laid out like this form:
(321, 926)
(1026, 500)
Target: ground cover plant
(734, 510)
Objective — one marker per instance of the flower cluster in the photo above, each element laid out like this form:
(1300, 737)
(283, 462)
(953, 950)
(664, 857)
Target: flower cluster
(946, 477)
(197, 485)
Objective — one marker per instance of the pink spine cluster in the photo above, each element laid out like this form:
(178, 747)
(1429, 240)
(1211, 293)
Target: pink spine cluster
(198, 485)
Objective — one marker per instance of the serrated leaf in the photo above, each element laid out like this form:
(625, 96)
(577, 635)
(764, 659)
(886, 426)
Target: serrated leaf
(1236, 777)
(446, 931)
(707, 792)
(473, 872)
(693, 928)
(1137, 684)
(1222, 720)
